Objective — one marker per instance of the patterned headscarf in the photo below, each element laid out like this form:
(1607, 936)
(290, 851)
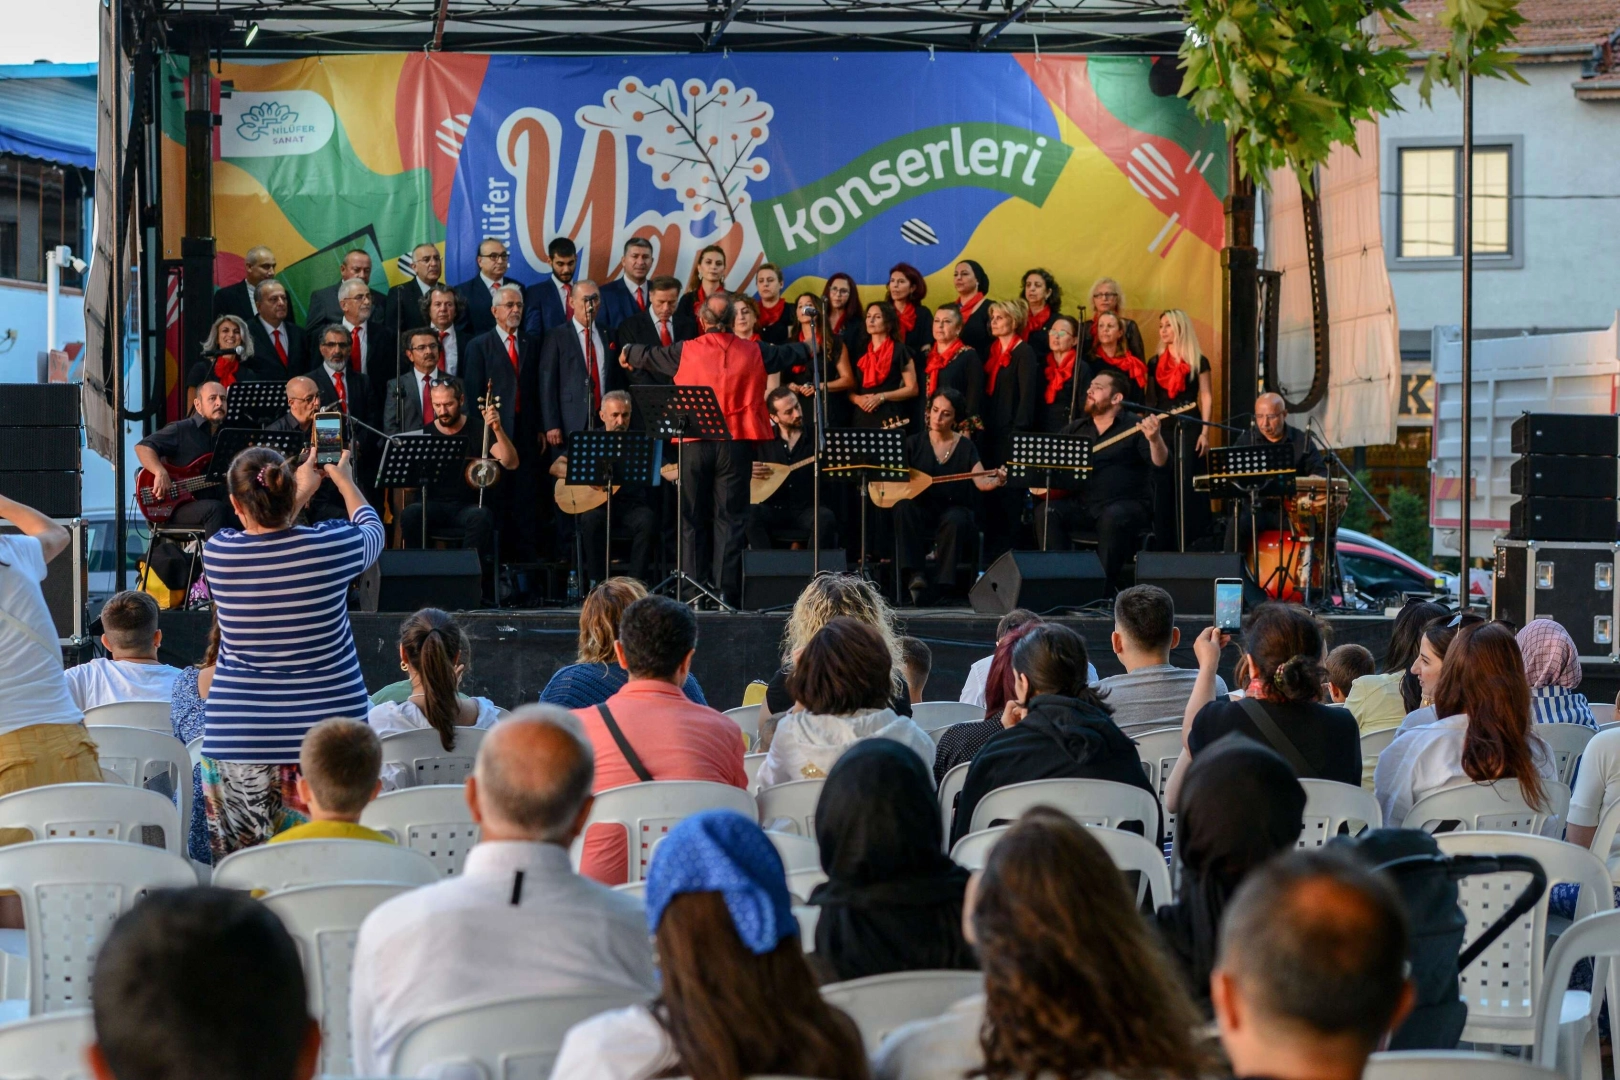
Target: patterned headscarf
(1550, 656)
(722, 851)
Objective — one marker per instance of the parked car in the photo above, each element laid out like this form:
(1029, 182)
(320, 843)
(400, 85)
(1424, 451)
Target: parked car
(1385, 574)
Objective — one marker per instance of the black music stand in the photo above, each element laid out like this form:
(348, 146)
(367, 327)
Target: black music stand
(862, 455)
(604, 458)
(682, 413)
(255, 403)
(419, 461)
(1253, 472)
(231, 441)
(1036, 457)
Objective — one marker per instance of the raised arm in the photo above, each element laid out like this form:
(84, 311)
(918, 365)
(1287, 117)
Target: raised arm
(663, 359)
(53, 538)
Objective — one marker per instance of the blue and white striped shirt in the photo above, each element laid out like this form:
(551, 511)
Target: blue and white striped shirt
(286, 652)
(1560, 705)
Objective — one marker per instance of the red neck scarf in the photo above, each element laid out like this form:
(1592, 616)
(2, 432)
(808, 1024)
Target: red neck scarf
(1038, 320)
(769, 314)
(875, 363)
(1059, 370)
(908, 317)
(1000, 357)
(939, 358)
(700, 298)
(1171, 372)
(835, 320)
(225, 368)
(971, 304)
(1130, 365)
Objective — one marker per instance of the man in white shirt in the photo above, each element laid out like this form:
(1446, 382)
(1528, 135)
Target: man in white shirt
(518, 920)
(1152, 693)
(131, 670)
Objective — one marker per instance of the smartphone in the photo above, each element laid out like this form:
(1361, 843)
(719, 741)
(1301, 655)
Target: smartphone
(328, 438)
(1228, 604)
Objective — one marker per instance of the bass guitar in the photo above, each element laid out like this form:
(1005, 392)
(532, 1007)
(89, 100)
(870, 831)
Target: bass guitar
(185, 481)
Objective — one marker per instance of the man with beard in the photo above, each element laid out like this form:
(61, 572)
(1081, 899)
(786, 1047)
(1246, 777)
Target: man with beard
(180, 444)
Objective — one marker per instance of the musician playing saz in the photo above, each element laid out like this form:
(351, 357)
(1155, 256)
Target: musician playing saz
(633, 508)
(942, 517)
(790, 506)
(181, 444)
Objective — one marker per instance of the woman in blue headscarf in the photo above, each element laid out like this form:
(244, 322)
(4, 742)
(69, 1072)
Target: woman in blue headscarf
(738, 997)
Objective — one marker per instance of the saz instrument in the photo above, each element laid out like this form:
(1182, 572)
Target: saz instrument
(580, 498)
(186, 480)
(484, 471)
(762, 488)
(885, 493)
(1103, 444)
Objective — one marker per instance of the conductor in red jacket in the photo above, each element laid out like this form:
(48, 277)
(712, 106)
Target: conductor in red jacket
(714, 485)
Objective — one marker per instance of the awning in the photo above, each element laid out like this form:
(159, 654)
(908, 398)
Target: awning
(48, 111)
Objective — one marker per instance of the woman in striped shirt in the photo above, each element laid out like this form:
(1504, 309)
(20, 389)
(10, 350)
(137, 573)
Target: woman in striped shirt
(286, 656)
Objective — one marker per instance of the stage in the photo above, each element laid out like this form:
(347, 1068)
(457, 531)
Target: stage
(514, 653)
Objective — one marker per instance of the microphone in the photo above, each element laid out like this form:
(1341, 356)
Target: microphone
(236, 352)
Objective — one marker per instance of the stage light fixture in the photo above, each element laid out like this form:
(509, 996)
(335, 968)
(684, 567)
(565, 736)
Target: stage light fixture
(252, 32)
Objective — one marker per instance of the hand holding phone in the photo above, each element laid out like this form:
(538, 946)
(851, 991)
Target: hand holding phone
(1229, 604)
(328, 438)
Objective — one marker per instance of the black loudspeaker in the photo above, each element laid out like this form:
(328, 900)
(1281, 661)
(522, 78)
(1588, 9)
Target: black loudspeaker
(409, 580)
(1539, 518)
(1189, 578)
(67, 582)
(54, 494)
(774, 578)
(30, 449)
(1565, 476)
(1566, 433)
(39, 404)
(1042, 581)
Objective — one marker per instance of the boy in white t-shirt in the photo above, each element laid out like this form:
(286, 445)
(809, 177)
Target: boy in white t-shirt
(129, 625)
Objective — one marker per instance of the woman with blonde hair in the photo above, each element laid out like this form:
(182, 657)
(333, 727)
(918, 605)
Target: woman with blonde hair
(595, 674)
(1107, 296)
(1014, 391)
(229, 332)
(1180, 376)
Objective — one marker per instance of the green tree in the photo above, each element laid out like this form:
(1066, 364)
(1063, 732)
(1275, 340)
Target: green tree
(1409, 528)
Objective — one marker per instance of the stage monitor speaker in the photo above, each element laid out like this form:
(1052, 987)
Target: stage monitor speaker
(53, 493)
(1043, 581)
(1539, 518)
(1565, 476)
(410, 579)
(30, 449)
(67, 582)
(1566, 433)
(1189, 578)
(775, 578)
(39, 404)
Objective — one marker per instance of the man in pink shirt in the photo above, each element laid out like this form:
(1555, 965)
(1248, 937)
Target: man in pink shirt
(649, 730)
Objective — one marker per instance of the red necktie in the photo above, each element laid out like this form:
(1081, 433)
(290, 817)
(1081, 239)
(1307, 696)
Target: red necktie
(343, 394)
(354, 349)
(590, 366)
(442, 335)
(511, 350)
(663, 332)
(427, 401)
(641, 297)
(281, 350)
(568, 301)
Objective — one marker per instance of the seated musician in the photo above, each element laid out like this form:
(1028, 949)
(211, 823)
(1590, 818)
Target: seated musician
(1271, 428)
(790, 506)
(303, 402)
(1116, 500)
(634, 508)
(941, 518)
(182, 445)
(453, 502)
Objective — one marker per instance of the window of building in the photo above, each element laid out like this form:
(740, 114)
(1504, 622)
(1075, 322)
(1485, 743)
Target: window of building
(1430, 217)
(41, 206)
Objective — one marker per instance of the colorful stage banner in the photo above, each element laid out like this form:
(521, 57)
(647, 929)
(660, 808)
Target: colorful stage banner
(815, 162)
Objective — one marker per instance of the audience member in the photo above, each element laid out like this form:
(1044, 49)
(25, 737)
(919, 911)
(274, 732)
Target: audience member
(1312, 970)
(187, 721)
(1552, 663)
(1074, 984)
(131, 671)
(596, 675)
(339, 769)
(1379, 702)
(919, 661)
(1220, 840)
(1597, 789)
(517, 920)
(843, 688)
(1433, 643)
(892, 900)
(649, 729)
(1059, 727)
(737, 997)
(974, 687)
(1483, 734)
(959, 743)
(1345, 665)
(157, 1017)
(1281, 707)
(434, 652)
(1152, 693)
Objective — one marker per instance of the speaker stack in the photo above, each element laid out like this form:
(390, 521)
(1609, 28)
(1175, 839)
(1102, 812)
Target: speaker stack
(40, 465)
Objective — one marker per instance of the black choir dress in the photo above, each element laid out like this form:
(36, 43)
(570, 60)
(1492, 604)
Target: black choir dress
(963, 373)
(1037, 336)
(941, 519)
(976, 328)
(921, 334)
(1011, 405)
(1067, 399)
(1181, 433)
(889, 411)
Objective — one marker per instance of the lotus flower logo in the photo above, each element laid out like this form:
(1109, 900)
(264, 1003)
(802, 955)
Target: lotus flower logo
(261, 118)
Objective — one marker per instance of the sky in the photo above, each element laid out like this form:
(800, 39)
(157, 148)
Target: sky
(62, 31)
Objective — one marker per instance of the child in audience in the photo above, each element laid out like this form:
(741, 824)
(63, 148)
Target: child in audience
(918, 660)
(339, 761)
(1345, 665)
(130, 671)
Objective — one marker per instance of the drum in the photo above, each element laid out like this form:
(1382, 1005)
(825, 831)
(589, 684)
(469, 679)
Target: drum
(1284, 563)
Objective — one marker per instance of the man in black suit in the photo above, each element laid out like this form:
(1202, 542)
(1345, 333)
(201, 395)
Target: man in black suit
(507, 361)
(279, 346)
(634, 507)
(323, 303)
(339, 384)
(478, 293)
(575, 370)
(660, 324)
(238, 299)
(377, 357)
(442, 309)
(626, 295)
(402, 311)
(408, 402)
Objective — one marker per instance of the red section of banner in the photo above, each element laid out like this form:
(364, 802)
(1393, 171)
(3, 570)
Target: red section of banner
(432, 109)
(174, 379)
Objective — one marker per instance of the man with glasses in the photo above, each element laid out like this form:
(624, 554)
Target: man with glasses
(478, 293)
(408, 401)
(323, 303)
(1271, 428)
(303, 402)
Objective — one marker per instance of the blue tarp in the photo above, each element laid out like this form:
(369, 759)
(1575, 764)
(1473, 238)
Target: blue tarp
(48, 111)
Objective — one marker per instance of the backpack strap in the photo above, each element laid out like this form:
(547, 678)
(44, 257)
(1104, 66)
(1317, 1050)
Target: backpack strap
(1280, 742)
(625, 748)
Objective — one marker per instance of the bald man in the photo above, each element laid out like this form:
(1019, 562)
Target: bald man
(1271, 427)
(238, 298)
(303, 402)
(517, 920)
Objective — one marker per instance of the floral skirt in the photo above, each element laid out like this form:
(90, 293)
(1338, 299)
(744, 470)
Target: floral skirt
(248, 803)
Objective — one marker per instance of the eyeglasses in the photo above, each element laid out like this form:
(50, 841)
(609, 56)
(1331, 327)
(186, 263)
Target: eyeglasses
(499, 256)
(1105, 296)
(302, 399)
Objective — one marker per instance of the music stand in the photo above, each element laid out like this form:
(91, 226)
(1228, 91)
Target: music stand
(604, 458)
(682, 413)
(862, 455)
(419, 461)
(1254, 472)
(255, 402)
(1039, 456)
(231, 441)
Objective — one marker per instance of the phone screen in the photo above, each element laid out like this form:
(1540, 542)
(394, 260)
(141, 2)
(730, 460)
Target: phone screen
(328, 439)
(1228, 604)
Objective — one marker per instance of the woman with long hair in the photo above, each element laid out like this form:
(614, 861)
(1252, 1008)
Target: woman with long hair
(1382, 701)
(972, 287)
(745, 318)
(595, 674)
(961, 742)
(949, 364)
(906, 292)
(1064, 375)
(843, 301)
(837, 371)
(1434, 643)
(187, 721)
(707, 278)
(1074, 983)
(885, 377)
(1108, 297)
(435, 653)
(775, 325)
(1179, 376)
(738, 998)
(1107, 349)
(1043, 297)
(1552, 663)
(1012, 398)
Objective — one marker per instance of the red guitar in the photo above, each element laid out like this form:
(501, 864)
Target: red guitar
(185, 479)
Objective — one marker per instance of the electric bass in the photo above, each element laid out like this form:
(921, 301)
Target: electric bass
(185, 481)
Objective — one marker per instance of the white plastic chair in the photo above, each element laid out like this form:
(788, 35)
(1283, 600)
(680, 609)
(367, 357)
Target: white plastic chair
(424, 759)
(504, 1040)
(747, 718)
(1567, 743)
(934, 715)
(194, 748)
(808, 917)
(880, 1003)
(950, 786)
(751, 764)
(134, 754)
(1127, 850)
(151, 715)
(1090, 802)
(93, 812)
(1602, 712)
(1159, 750)
(1451, 1065)
(973, 850)
(1504, 985)
(1330, 804)
(434, 820)
(793, 801)
(72, 891)
(1495, 807)
(648, 811)
(1595, 936)
(798, 852)
(48, 1047)
(325, 920)
(935, 734)
(801, 883)
(1376, 742)
(274, 867)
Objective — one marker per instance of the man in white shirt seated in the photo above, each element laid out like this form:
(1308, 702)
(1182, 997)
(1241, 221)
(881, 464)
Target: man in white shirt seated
(979, 673)
(517, 920)
(1151, 694)
(131, 670)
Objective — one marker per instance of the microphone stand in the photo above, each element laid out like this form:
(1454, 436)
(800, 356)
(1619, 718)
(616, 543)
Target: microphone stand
(1330, 544)
(818, 408)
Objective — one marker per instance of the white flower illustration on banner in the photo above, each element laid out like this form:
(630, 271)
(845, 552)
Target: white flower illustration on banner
(262, 117)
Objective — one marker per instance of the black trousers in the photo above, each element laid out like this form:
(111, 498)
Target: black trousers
(765, 519)
(920, 528)
(209, 515)
(635, 520)
(1116, 526)
(714, 512)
